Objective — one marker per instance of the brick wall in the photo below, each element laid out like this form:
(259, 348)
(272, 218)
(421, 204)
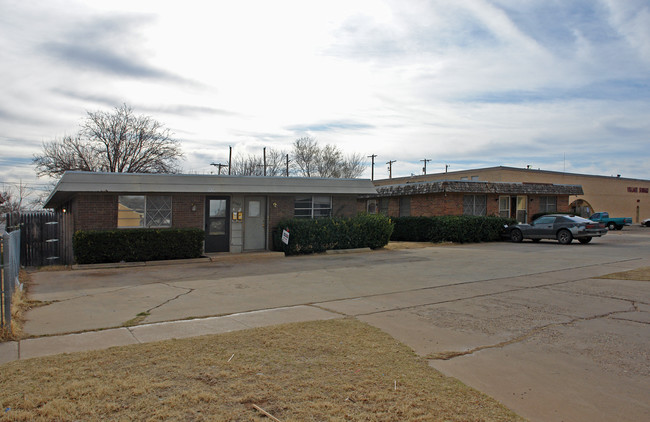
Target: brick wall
(182, 214)
(99, 211)
(94, 211)
(344, 206)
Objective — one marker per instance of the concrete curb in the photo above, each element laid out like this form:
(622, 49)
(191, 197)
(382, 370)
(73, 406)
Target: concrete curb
(160, 331)
(220, 257)
(346, 251)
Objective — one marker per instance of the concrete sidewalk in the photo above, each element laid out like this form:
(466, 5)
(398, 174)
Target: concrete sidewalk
(103, 339)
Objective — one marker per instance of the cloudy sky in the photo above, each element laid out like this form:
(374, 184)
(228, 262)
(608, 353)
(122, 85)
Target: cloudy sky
(555, 84)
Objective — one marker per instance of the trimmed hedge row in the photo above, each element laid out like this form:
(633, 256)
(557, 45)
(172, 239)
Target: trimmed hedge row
(459, 229)
(320, 234)
(99, 246)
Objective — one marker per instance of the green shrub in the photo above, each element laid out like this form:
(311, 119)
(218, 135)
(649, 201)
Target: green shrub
(129, 245)
(320, 234)
(449, 228)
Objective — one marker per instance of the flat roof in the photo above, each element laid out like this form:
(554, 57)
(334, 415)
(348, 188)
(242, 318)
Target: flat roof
(451, 174)
(74, 182)
(475, 186)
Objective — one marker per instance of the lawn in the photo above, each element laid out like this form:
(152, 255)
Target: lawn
(318, 371)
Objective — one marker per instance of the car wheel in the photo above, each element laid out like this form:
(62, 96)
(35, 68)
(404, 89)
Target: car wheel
(516, 235)
(611, 225)
(564, 237)
(584, 240)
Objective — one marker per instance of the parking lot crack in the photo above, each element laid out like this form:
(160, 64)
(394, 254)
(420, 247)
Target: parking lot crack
(186, 292)
(447, 355)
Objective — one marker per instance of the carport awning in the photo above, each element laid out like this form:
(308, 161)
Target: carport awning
(95, 182)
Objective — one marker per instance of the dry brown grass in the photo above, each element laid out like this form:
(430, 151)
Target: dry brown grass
(19, 305)
(319, 371)
(640, 274)
(414, 245)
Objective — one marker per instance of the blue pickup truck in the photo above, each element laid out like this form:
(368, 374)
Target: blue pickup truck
(611, 222)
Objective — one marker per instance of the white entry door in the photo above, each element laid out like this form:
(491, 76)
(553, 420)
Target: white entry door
(254, 223)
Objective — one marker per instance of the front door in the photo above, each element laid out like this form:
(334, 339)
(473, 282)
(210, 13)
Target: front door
(254, 223)
(522, 209)
(217, 228)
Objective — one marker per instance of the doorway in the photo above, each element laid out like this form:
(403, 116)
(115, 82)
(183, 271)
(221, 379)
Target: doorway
(217, 227)
(254, 223)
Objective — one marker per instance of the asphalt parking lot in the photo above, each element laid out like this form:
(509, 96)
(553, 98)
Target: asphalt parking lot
(531, 325)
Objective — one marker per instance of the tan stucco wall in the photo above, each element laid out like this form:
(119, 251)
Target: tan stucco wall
(604, 193)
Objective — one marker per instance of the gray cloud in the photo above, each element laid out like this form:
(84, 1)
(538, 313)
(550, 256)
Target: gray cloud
(332, 126)
(106, 45)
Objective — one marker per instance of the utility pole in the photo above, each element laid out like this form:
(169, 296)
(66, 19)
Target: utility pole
(446, 167)
(372, 169)
(220, 166)
(390, 168)
(287, 165)
(425, 161)
(229, 160)
(264, 154)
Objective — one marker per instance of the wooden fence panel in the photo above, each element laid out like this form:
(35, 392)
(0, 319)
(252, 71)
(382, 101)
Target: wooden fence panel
(46, 237)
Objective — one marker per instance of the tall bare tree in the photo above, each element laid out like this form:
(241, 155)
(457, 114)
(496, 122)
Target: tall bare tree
(247, 165)
(117, 141)
(253, 165)
(305, 156)
(312, 160)
(353, 166)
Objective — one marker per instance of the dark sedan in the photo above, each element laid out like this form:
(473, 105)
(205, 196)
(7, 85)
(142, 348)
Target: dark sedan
(564, 228)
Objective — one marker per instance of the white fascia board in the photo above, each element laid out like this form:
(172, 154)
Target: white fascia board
(80, 182)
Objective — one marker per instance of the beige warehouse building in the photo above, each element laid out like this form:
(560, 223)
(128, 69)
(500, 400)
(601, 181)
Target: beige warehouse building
(620, 196)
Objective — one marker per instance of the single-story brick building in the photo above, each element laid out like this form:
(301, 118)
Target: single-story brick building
(237, 213)
(455, 197)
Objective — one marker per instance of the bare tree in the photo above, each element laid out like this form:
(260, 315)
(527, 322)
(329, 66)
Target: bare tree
(311, 160)
(117, 141)
(276, 164)
(329, 162)
(352, 166)
(305, 156)
(253, 165)
(16, 198)
(247, 165)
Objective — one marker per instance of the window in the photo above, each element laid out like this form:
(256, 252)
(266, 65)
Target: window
(371, 206)
(144, 211)
(383, 206)
(474, 177)
(313, 206)
(547, 203)
(404, 206)
(504, 206)
(545, 220)
(475, 204)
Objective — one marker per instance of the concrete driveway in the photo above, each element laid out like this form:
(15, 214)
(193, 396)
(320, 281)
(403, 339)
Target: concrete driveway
(529, 324)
